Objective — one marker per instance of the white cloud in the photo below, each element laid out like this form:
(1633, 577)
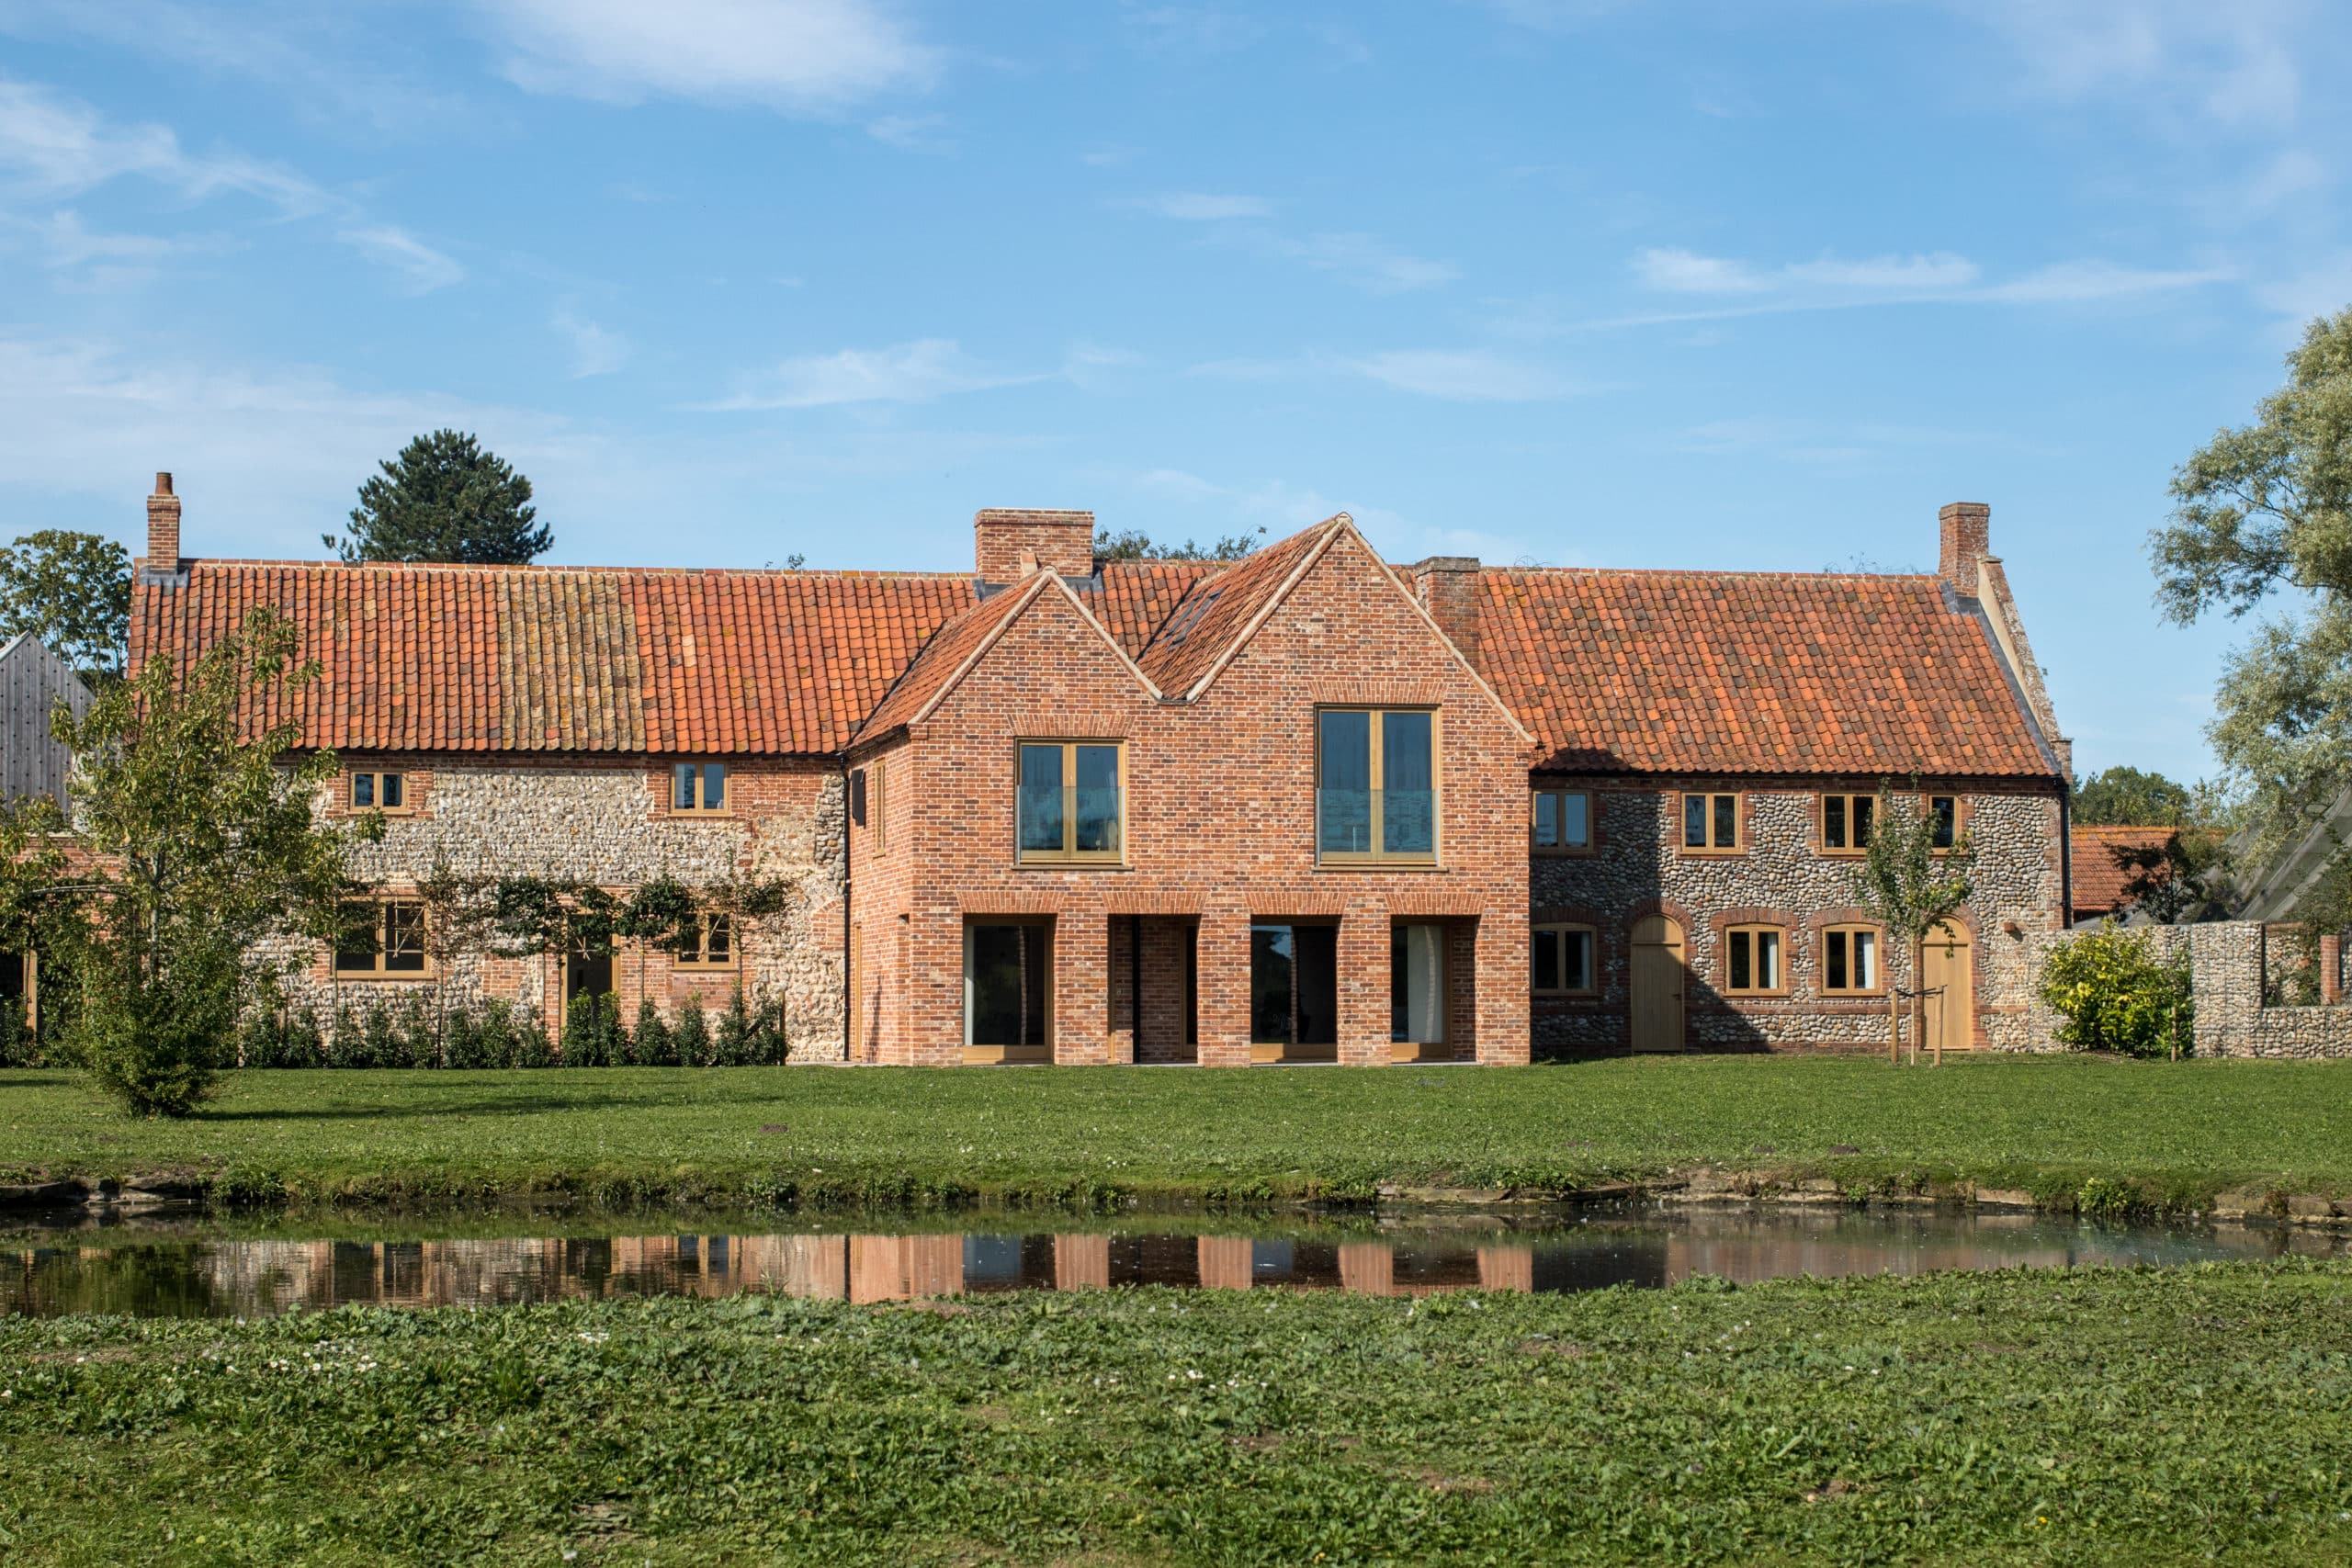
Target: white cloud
(595, 350)
(422, 269)
(904, 373)
(1829, 284)
(1368, 263)
(86, 259)
(1196, 207)
(1460, 374)
(2072, 283)
(800, 56)
(2232, 62)
(914, 132)
(1677, 271)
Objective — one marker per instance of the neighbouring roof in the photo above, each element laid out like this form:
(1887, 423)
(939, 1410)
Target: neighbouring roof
(2097, 875)
(1760, 672)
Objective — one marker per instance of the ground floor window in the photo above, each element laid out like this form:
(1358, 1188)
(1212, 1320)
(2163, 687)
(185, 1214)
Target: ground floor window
(1007, 994)
(383, 937)
(1752, 960)
(1849, 960)
(1560, 963)
(1417, 985)
(1293, 985)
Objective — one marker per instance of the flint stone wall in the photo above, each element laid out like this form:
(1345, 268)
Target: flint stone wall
(2227, 962)
(1637, 868)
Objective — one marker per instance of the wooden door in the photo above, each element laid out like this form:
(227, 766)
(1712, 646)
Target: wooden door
(1950, 977)
(1658, 977)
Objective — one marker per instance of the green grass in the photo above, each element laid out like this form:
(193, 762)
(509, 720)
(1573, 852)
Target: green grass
(2163, 1135)
(2088, 1416)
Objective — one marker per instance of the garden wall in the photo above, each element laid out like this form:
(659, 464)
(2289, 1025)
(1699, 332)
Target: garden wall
(2229, 962)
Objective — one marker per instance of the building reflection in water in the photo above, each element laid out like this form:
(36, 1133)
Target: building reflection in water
(222, 1277)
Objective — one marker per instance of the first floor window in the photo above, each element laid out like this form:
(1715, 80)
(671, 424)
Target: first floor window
(1752, 959)
(1375, 785)
(1561, 962)
(1849, 960)
(698, 786)
(1943, 811)
(1711, 821)
(1007, 985)
(1563, 820)
(384, 937)
(711, 945)
(379, 791)
(1070, 805)
(1846, 822)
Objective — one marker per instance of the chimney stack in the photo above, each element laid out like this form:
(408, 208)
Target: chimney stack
(1447, 587)
(1010, 543)
(1965, 531)
(163, 527)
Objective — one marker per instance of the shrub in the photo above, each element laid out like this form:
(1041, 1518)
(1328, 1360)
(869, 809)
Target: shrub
(526, 1040)
(692, 1037)
(651, 1045)
(154, 1047)
(593, 1034)
(2113, 994)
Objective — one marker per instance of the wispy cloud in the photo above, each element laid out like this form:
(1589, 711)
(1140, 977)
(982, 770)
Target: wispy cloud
(903, 373)
(2233, 63)
(422, 269)
(931, 133)
(595, 350)
(1198, 207)
(1685, 272)
(86, 259)
(1460, 374)
(1829, 283)
(798, 56)
(1363, 260)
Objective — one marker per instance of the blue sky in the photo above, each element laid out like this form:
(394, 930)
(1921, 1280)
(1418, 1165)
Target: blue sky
(1736, 285)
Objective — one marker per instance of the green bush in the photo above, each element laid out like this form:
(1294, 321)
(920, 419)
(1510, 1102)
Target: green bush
(650, 1045)
(2113, 994)
(692, 1037)
(154, 1044)
(593, 1033)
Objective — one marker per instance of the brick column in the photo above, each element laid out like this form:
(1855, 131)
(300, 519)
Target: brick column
(2331, 969)
(1364, 1002)
(1224, 988)
(1124, 969)
(1503, 997)
(1082, 989)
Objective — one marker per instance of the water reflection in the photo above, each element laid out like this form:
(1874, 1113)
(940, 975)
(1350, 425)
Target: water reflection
(101, 1270)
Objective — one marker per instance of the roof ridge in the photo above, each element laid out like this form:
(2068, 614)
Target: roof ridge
(1779, 575)
(543, 569)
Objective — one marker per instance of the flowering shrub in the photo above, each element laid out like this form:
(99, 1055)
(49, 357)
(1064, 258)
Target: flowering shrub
(2114, 994)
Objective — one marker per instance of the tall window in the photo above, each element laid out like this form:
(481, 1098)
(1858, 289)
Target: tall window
(1417, 984)
(1008, 988)
(379, 791)
(1944, 811)
(1561, 962)
(1849, 960)
(1710, 822)
(1846, 821)
(1375, 785)
(1294, 985)
(1562, 821)
(383, 937)
(698, 786)
(1070, 801)
(1752, 961)
(711, 945)
(878, 807)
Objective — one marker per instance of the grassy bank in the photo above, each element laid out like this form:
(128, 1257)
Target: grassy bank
(2162, 1136)
(2082, 1416)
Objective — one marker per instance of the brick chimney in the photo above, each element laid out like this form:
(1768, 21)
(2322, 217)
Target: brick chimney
(1010, 543)
(1965, 533)
(164, 527)
(1447, 587)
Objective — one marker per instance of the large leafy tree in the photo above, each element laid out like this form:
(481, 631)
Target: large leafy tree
(444, 499)
(2261, 511)
(71, 590)
(1134, 544)
(201, 843)
(2125, 797)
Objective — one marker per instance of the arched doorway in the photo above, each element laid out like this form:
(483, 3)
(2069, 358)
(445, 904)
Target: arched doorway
(1949, 976)
(1658, 980)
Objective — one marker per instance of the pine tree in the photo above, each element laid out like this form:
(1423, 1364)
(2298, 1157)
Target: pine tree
(444, 499)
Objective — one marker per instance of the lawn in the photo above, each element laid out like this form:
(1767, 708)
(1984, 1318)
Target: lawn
(2174, 1134)
(2068, 1416)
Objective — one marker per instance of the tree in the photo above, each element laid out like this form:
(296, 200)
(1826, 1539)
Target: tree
(444, 499)
(1913, 887)
(2124, 797)
(201, 843)
(2258, 510)
(1132, 544)
(71, 590)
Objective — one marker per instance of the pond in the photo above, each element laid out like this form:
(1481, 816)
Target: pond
(196, 1267)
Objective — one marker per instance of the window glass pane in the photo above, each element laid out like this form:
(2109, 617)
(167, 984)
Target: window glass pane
(1576, 961)
(1343, 786)
(999, 998)
(1576, 821)
(1833, 821)
(1726, 821)
(682, 787)
(1767, 961)
(357, 931)
(1865, 961)
(1865, 812)
(403, 938)
(1271, 968)
(1694, 821)
(714, 786)
(1318, 950)
(720, 936)
(1544, 962)
(1945, 808)
(1547, 821)
(1041, 799)
(363, 791)
(1408, 794)
(1740, 964)
(1097, 804)
(1833, 962)
(393, 782)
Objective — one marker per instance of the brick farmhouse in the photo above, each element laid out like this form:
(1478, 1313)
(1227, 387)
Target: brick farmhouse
(1305, 806)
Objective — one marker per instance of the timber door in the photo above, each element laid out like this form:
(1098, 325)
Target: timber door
(1658, 977)
(1949, 975)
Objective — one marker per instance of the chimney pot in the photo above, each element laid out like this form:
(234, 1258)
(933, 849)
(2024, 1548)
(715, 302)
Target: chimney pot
(1964, 536)
(163, 484)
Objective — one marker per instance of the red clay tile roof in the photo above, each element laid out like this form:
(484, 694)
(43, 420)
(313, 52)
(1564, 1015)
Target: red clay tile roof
(2098, 876)
(1137, 596)
(944, 654)
(1727, 673)
(535, 659)
(1220, 608)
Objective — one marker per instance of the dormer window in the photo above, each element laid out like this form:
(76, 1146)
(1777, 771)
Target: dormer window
(698, 787)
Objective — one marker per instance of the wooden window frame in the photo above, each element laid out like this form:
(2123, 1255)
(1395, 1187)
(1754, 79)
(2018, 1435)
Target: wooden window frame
(1591, 987)
(878, 802)
(1535, 810)
(702, 963)
(1927, 799)
(1849, 929)
(1068, 854)
(992, 1056)
(1751, 929)
(1377, 770)
(376, 777)
(726, 808)
(383, 908)
(1738, 846)
(1851, 798)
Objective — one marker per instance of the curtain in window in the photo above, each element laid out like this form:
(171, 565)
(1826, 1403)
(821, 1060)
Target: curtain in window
(1417, 985)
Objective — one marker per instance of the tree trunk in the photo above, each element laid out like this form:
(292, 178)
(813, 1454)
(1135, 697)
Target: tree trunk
(1894, 1024)
(1918, 994)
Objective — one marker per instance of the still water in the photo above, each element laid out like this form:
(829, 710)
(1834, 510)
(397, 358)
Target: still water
(194, 1269)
